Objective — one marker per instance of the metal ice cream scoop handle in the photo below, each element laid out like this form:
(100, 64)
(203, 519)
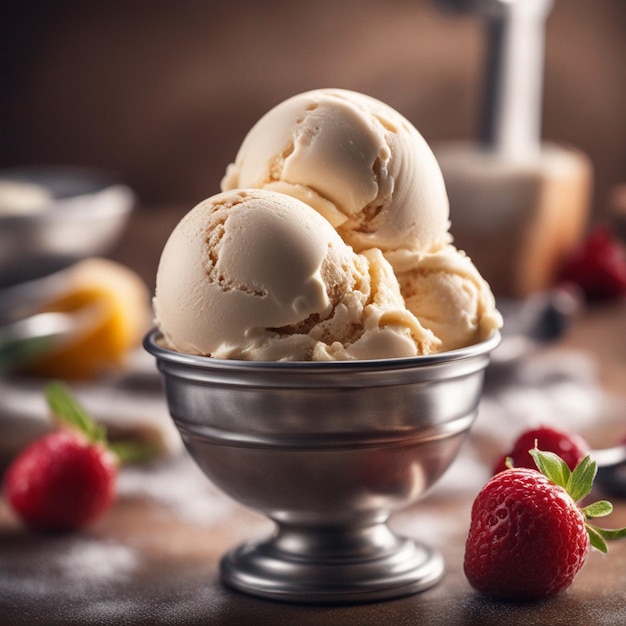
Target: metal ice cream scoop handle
(514, 72)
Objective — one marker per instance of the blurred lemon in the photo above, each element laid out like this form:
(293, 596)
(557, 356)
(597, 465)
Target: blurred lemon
(112, 308)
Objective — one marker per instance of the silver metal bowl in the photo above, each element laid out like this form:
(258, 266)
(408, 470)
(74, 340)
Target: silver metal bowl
(328, 451)
(86, 214)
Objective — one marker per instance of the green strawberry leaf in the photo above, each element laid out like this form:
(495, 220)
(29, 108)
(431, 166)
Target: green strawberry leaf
(552, 466)
(68, 412)
(596, 539)
(581, 479)
(132, 451)
(598, 509)
(578, 484)
(609, 533)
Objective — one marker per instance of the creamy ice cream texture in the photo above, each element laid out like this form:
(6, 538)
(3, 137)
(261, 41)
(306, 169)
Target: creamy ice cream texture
(445, 291)
(357, 161)
(330, 241)
(259, 275)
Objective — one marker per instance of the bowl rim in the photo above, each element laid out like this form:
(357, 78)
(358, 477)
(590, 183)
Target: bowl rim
(151, 345)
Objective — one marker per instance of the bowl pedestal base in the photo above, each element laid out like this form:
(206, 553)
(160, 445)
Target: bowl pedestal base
(332, 565)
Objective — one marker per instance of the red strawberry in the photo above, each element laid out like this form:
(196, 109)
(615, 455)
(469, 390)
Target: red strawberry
(569, 446)
(61, 481)
(528, 539)
(598, 266)
(66, 479)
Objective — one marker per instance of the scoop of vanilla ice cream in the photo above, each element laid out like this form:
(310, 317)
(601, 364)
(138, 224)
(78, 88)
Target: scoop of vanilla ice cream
(382, 328)
(357, 161)
(258, 275)
(445, 291)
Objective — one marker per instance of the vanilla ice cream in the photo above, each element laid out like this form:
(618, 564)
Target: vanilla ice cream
(329, 241)
(259, 275)
(445, 291)
(357, 161)
(369, 172)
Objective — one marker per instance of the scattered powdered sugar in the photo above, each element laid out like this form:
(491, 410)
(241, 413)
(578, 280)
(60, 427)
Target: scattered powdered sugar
(422, 525)
(98, 561)
(112, 610)
(557, 389)
(67, 565)
(468, 473)
(178, 485)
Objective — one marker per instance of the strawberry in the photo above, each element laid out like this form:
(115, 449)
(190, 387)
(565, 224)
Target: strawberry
(569, 446)
(61, 482)
(528, 539)
(598, 266)
(66, 479)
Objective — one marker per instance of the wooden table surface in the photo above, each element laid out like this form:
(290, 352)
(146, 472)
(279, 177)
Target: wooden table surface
(153, 558)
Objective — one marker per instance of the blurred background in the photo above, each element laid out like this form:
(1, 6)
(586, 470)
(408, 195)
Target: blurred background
(163, 93)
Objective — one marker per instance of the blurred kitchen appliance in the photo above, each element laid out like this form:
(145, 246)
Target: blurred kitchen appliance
(518, 205)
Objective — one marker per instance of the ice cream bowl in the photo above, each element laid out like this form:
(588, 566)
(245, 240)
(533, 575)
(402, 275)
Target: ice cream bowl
(328, 451)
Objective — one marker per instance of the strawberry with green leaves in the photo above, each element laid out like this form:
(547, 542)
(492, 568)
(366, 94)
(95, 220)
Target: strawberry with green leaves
(66, 479)
(528, 538)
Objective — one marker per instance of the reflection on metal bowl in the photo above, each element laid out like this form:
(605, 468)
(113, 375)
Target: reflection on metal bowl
(327, 451)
